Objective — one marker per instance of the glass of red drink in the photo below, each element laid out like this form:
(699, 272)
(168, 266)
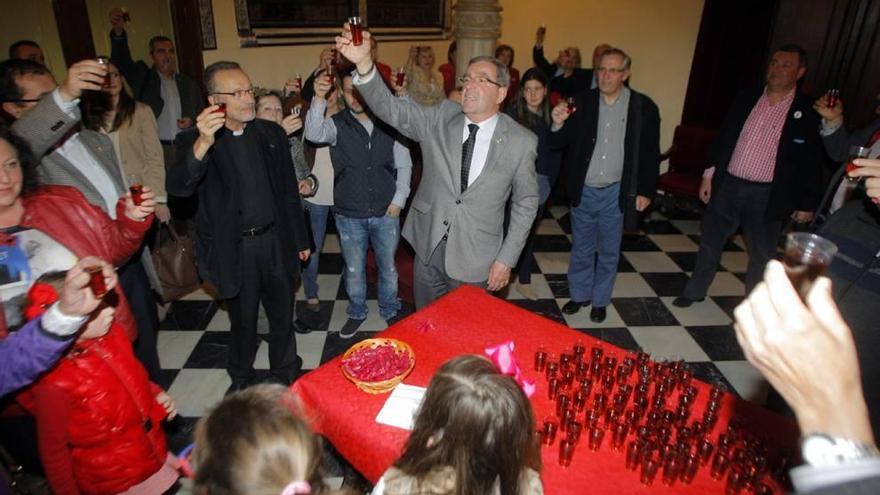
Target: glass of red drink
(126, 17)
(298, 82)
(855, 152)
(566, 452)
(540, 358)
(832, 97)
(105, 62)
(221, 108)
(135, 187)
(806, 257)
(551, 426)
(357, 30)
(96, 281)
(571, 104)
(399, 79)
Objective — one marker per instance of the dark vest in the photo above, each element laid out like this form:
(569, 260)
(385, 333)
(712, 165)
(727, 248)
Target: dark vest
(363, 167)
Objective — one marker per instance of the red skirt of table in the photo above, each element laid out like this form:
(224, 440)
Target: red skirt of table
(467, 321)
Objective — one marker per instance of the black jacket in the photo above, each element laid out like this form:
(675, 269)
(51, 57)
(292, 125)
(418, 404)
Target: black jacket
(580, 80)
(147, 84)
(797, 183)
(578, 134)
(218, 228)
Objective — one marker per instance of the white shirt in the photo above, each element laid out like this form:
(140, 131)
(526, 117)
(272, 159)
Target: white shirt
(481, 146)
(80, 157)
(171, 110)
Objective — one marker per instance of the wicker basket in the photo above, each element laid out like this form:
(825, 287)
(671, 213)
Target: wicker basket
(384, 385)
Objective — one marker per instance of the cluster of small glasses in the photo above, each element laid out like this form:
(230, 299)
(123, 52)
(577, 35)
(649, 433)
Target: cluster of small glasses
(646, 410)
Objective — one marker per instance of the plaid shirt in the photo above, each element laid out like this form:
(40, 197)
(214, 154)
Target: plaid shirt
(754, 157)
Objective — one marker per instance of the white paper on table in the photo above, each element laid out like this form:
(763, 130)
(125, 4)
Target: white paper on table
(401, 407)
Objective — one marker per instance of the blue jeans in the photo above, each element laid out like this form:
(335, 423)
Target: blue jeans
(383, 233)
(318, 222)
(596, 227)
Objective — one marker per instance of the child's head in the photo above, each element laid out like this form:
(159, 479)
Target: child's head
(45, 292)
(476, 421)
(253, 443)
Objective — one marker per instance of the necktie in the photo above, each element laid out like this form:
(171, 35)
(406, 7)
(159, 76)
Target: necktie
(467, 152)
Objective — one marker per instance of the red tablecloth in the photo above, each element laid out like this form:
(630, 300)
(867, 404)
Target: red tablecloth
(466, 322)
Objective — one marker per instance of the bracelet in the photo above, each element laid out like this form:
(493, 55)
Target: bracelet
(368, 72)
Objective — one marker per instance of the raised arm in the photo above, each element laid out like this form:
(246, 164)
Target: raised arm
(409, 118)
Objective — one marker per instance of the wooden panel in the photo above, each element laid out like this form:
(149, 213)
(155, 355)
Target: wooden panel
(842, 38)
(188, 38)
(74, 30)
(729, 56)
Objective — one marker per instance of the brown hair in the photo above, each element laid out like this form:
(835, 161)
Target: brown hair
(254, 443)
(94, 104)
(476, 422)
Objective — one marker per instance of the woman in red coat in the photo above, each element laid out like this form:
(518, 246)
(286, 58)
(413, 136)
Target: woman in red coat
(48, 228)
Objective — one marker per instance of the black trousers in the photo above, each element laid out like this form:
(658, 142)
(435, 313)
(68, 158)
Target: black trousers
(739, 203)
(136, 287)
(264, 278)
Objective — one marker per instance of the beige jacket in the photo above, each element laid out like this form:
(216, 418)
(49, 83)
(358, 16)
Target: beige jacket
(441, 481)
(140, 151)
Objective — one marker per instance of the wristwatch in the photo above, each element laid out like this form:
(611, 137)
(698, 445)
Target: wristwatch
(819, 449)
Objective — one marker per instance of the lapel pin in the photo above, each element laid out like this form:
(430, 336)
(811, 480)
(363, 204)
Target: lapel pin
(798, 114)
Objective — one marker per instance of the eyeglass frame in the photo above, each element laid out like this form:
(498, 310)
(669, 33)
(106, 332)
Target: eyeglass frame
(23, 100)
(476, 79)
(613, 70)
(234, 94)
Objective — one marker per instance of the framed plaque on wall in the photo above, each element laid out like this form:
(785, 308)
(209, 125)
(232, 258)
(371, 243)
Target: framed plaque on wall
(302, 22)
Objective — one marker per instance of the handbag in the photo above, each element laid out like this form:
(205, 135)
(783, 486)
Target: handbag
(175, 262)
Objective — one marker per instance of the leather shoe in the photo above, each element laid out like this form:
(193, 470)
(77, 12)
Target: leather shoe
(597, 315)
(572, 306)
(683, 302)
(300, 327)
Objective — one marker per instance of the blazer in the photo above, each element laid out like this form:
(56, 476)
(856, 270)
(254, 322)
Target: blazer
(797, 183)
(147, 84)
(578, 134)
(218, 227)
(44, 126)
(472, 221)
(140, 150)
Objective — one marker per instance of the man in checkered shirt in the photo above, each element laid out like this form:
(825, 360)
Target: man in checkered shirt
(765, 170)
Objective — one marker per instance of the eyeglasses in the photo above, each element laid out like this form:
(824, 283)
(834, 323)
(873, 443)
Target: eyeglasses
(22, 100)
(238, 93)
(613, 70)
(477, 79)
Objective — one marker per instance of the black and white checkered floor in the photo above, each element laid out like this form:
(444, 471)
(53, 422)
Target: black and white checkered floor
(653, 269)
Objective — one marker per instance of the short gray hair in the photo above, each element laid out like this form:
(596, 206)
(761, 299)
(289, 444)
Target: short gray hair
(213, 69)
(627, 62)
(503, 73)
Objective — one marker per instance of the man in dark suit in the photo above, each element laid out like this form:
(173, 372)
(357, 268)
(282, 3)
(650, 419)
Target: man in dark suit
(766, 165)
(251, 234)
(612, 165)
(175, 98)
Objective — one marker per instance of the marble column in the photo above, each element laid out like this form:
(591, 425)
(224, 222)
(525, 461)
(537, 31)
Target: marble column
(476, 27)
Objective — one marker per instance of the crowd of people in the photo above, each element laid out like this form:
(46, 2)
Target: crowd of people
(88, 166)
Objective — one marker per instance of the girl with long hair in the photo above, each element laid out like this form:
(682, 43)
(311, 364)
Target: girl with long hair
(474, 435)
(531, 108)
